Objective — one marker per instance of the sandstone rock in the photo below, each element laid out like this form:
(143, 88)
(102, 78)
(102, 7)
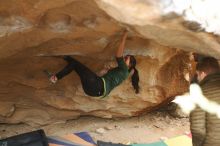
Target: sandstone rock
(108, 128)
(33, 34)
(151, 22)
(100, 130)
(7, 109)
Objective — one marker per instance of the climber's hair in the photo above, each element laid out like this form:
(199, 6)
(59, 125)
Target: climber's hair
(135, 76)
(208, 65)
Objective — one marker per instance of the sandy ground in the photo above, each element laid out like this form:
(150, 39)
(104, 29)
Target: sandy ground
(145, 129)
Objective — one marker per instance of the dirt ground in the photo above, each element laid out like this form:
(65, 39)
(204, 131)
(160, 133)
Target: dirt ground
(144, 129)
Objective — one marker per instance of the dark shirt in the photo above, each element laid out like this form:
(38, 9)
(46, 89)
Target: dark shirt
(115, 76)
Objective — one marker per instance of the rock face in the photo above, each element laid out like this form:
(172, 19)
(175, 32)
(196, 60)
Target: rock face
(33, 34)
(170, 30)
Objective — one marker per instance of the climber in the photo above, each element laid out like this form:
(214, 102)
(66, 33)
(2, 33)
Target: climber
(101, 86)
